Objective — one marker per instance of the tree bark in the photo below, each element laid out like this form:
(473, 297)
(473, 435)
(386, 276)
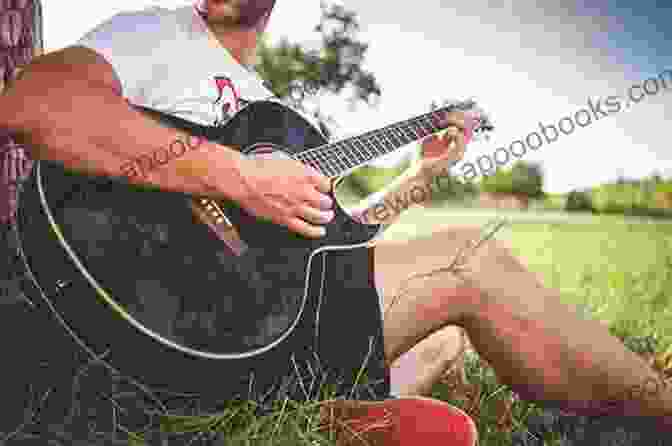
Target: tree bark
(20, 41)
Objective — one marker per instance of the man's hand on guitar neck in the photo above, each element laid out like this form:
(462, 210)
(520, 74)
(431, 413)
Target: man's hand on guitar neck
(439, 151)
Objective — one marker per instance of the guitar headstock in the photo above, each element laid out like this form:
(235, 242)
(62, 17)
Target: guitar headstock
(478, 118)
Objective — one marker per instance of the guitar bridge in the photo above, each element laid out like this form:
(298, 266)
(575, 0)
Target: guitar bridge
(210, 213)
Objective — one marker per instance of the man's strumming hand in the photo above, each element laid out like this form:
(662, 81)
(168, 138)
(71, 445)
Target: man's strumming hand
(287, 193)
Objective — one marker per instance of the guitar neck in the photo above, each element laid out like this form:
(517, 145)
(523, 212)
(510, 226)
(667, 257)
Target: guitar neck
(341, 157)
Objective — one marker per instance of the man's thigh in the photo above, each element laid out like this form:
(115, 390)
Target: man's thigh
(408, 305)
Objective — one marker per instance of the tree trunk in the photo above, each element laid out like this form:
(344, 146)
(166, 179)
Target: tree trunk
(20, 41)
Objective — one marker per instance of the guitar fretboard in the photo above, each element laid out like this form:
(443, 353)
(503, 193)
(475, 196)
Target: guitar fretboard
(339, 158)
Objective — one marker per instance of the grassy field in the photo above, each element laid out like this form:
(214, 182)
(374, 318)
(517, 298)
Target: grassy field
(614, 269)
(621, 273)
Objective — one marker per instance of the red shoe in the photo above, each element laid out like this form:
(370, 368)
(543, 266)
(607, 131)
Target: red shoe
(407, 421)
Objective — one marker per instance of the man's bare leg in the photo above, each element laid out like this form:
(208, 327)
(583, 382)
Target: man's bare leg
(535, 343)
(416, 371)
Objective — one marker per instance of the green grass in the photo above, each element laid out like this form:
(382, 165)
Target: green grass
(619, 273)
(614, 271)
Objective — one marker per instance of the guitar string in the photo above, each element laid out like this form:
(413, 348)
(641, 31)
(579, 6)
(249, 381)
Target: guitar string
(368, 137)
(352, 156)
(361, 139)
(462, 106)
(369, 144)
(371, 141)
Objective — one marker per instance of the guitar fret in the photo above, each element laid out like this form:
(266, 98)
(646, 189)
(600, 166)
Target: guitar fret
(346, 159)
(402, 129)
(324, 159)
(387, 140)
(337, 161)
(432, 125)
(356, 156)
(373, 146)
(377, 144)
(307, 159)
(398, 141)
(316, 159)
(367, 155)
(315, 164)
(371, 154)
(352, 154)
(423, 123)
(327, 168)
(303, 158)
(423, 131)
(329, 162)
(413, 132)
(360, 156)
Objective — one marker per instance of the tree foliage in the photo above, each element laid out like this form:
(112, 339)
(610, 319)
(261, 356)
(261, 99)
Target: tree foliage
(523, 178)
(647, 196)
(580, 201)
(294, 72)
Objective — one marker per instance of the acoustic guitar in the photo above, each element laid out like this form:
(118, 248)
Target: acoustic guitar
(168, 297)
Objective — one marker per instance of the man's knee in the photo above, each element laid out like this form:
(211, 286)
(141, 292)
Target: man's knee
(482, 258)
(444, 346)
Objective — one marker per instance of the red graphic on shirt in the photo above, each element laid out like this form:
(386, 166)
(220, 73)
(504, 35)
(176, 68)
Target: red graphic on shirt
(228, 100)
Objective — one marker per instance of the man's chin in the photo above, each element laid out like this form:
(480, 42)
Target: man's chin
(245, 15)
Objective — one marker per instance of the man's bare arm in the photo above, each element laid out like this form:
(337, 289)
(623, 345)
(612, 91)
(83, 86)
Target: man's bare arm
(67, 106)
(385, 207)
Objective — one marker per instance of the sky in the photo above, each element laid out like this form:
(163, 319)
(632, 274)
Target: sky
(526, 62)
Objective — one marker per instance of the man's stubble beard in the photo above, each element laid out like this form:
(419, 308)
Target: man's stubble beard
(241, 14)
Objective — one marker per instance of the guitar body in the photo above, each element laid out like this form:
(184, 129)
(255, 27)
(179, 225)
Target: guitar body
(136, 277)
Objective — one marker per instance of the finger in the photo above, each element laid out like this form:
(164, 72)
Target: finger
(453, 138)
(313, 215)
(321, 182)
(454, 119)
(5, 167)
(319, 200)
(304, 228)
(456, 148)
(468, 128)
(15, 165)
(432, 147)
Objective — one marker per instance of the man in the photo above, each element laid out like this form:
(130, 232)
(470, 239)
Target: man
(536, 344)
